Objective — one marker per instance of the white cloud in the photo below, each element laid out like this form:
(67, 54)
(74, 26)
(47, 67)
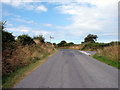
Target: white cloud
(110, 34)
(6, 1)
(25, 5)
(26, 21)
(28, 30)
(9, 25)
(89, 16)
(42, 32)
(19, 29)
(48, 25)
(41, 8)
(6, 13)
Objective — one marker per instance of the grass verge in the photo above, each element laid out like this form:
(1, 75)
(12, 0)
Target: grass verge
(11, 80)
(107, 61)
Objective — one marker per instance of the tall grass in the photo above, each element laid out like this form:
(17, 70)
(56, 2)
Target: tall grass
(18, 62)
(23, 56)
(110, 52)
(109, 55)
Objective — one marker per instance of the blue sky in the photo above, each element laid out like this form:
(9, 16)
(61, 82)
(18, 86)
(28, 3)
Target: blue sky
(65, 20)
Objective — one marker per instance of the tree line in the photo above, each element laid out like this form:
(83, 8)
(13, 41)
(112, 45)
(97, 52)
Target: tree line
(9, 41)
(88, 39)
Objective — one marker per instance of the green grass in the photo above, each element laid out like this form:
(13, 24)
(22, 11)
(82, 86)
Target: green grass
(107, 61)
(10, 80)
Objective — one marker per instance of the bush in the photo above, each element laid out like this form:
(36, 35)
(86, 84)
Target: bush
(7, 40)
(23, 56)
(40, 38)
(25, 40)
(49, 43)
(65, 44)
(94, 46)
(62, 43)
(90, 38)
(114, 43)
(70, 44)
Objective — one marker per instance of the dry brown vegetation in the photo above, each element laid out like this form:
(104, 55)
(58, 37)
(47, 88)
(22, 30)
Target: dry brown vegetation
(75, 47)
(110, 52)
(79, 47)
(23, 55)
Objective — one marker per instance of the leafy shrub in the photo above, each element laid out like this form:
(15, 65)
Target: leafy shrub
(65, 44)
(40, 38)
(20, 52)
(62, 43)
(25, 40)
(49, 43)
(114, 43)
(23, 56)
(69, 44)
(94, 46)
(7, 40)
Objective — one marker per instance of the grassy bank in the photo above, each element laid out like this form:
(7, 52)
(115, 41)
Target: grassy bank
(12, 79)
(107, 61)
(21, 55)
(108, 55)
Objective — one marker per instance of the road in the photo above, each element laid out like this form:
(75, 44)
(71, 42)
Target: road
(71, 69)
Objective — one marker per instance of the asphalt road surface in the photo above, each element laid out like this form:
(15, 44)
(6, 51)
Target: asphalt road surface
(71, 69)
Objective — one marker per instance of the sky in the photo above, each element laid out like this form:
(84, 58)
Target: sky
(70, 20)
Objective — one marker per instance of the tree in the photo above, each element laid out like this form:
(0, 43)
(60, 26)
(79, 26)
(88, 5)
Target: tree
(40, 38)
(25, 40)
(71, 43)
(7, 38)
(62, 43)
(90, 38)
(2, 25)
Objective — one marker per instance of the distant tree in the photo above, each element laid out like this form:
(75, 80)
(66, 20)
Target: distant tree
(62, 43)
(71, 43)
(25, 40)
(40, 38)
(90, 38)
(82, 42)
